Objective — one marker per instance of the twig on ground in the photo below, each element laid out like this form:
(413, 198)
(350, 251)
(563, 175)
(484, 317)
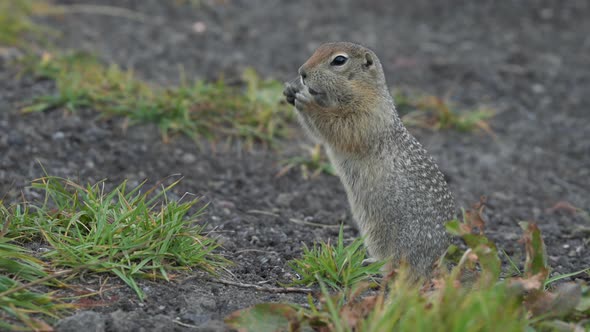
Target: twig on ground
(309, 223)
(229, 272)
(185, 324)
(260, 288)
(256, 250)
(263, 212)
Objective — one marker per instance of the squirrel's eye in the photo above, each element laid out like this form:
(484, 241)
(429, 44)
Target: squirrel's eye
(339, 60)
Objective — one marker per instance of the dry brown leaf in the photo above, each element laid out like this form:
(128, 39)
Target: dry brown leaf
(564, 206)
(474, 217)
(564, 300)
(355, 312)
(528, 284)
(483, 125)
(536, 255)
(539, 302)
(40, 325)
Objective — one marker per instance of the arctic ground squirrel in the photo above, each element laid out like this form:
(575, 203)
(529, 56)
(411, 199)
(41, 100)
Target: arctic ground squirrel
(398, 197)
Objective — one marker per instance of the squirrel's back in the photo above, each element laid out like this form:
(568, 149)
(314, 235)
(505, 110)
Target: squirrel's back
(400, 200)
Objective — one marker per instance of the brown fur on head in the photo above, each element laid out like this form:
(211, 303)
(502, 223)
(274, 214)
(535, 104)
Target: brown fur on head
(342, 90)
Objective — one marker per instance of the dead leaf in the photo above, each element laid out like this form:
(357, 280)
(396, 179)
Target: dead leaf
(438, 284)
(40, 325)
(538, 302)
(465, 228)
(474, 217)
(564, 206)
(284, 170)
(528, 284)
(483, 125)
(560, 303)
(355, 312)
(472, 257)
(86, 302)
(536, 254)
(560, 326)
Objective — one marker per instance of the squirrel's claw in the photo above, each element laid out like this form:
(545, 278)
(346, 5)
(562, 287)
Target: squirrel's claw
(289, 94)
(291, 89)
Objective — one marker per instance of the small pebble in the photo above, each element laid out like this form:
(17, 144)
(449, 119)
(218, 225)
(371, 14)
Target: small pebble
(58, 135)
(15, 139)
(188, 158)
(510, 236)
(254, 240)
(546, 13)
(199, 27)
(538, 88)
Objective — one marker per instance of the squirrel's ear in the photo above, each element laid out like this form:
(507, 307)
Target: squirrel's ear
(369, 62)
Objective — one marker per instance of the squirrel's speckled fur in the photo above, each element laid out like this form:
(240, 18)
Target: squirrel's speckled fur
(397, 195)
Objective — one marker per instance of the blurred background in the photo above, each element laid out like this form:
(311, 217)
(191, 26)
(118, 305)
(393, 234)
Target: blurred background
(497, 91)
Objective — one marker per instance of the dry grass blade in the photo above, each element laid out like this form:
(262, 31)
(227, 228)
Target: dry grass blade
(437, 113)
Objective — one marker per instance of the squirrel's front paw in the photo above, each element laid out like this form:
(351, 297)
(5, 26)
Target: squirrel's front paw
(289, 93)
(297, 94)
(291, 89)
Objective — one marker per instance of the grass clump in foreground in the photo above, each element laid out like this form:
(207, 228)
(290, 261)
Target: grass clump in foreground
(470, 297)
(254, 113)
(21, 304)
(124, 232)
(338, 266)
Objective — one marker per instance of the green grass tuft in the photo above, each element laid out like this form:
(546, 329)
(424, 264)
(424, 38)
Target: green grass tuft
(471, 297)
(438, 113)
(338, 266)
(254, 113)
(450, 308)
(311, 165)
(16, 27)
(128, 233)
(401, 306)
(21, 306)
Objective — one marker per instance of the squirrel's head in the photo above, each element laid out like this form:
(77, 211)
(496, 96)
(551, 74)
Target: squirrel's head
(344, 77)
